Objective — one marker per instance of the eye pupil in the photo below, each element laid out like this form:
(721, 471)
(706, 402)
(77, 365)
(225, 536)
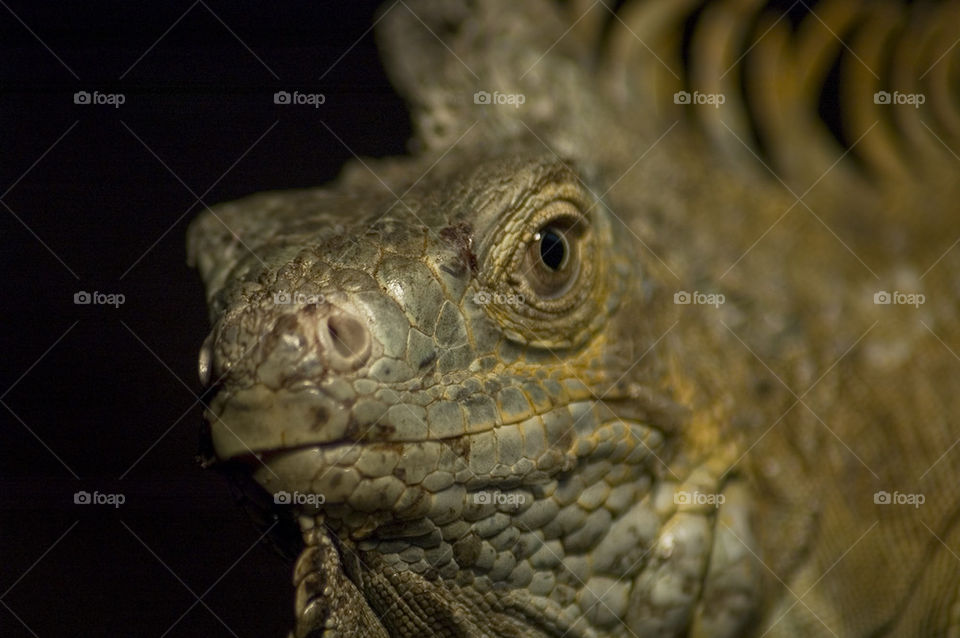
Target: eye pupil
(553, 249)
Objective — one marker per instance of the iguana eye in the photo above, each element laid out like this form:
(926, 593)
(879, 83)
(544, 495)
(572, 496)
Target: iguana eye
(553, 257)
(546, 269)
(553, 247)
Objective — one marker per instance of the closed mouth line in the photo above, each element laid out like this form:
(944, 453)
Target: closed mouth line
(255, 457)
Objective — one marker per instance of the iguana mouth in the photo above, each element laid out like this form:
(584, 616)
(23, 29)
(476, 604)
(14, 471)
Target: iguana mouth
(316, 418)
(525, 451)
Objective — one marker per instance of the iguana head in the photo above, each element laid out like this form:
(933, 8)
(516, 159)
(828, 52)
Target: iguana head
(452, 380)
(457, 369)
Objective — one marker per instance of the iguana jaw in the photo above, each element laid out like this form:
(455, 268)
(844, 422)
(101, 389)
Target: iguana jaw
(380, 505)
(676, 561)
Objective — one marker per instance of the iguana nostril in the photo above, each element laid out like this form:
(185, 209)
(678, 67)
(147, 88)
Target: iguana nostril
(347, 341)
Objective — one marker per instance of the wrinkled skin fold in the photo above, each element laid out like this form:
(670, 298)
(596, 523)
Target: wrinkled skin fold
(549, 376)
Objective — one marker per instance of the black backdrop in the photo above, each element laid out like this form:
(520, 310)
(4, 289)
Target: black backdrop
(102, 399)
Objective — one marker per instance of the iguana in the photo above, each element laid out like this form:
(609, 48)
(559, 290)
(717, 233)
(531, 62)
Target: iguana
(632, 343)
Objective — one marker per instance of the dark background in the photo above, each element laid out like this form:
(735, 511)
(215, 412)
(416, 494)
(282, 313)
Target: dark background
(99, 398)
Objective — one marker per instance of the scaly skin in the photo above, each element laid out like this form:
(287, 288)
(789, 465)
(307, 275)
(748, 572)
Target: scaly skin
(508, 448)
